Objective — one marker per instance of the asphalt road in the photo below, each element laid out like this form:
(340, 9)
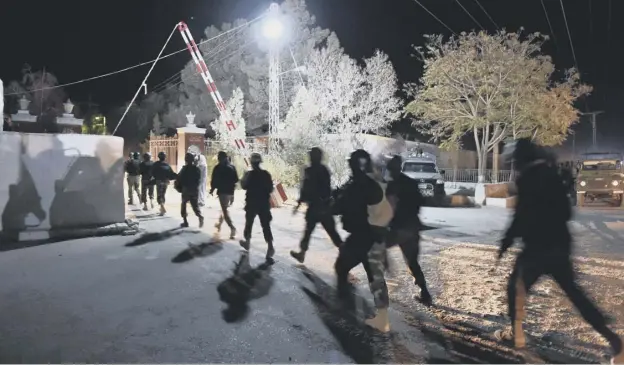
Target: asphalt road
(149, 298)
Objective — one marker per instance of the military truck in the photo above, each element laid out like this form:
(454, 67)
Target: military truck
(600, 176)
(422, 167)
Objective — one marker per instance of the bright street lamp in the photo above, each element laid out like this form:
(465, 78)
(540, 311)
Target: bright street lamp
(273, 29)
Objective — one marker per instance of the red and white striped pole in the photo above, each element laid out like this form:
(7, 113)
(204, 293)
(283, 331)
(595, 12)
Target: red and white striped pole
(212, 87)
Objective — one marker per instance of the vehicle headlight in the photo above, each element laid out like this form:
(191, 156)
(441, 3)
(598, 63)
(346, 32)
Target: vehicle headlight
(583, 183)
(439, 181)
(615, 183)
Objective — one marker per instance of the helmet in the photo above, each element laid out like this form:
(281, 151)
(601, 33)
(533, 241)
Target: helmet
(316, 154)
(222, 155)
(395, 163)
(189, 158)
(360, 160)
(162, 156)
(147, 156)
(131, 154)
(136, 155)
(255, 158)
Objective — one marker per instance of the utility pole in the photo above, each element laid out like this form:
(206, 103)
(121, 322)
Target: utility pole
(273, 84)
(594, 127)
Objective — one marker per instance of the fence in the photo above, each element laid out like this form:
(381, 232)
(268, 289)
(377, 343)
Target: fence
(169, 145)
(472, 175)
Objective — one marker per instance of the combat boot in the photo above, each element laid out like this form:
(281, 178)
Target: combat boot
(380, 322)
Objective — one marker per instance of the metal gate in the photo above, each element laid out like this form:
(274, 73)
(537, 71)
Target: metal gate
(169, 145)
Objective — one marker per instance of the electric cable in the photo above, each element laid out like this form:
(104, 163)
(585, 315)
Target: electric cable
(435, 17)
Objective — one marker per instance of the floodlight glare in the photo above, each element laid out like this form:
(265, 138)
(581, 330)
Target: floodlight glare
(273, 29)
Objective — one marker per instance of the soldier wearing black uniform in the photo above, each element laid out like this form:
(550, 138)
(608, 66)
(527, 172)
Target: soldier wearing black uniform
(259, 185)
(133, 176)
(187, 183)
(162, 174)
(316, 193)
(147, 187)
(540, 219)
(404, 194)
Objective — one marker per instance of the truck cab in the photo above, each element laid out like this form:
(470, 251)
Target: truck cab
(422, 167)
(601, 176)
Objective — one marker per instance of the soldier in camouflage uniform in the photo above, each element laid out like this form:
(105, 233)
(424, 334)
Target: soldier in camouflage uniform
(162, 174)
(357, 202)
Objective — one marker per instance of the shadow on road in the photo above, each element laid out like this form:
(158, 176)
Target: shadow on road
(157, 236)
(202, 250)
(363, 344)
(244, 285)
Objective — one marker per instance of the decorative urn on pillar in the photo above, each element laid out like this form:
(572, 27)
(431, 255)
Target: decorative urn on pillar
(69, 107)
(190, 119)
(24, 103)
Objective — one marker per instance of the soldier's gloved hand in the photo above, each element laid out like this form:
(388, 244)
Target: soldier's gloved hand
(296, 209)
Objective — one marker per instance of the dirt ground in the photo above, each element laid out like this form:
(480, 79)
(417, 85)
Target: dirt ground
(473, 291)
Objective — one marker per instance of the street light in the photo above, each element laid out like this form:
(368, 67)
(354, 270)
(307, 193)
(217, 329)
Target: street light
(273, 29)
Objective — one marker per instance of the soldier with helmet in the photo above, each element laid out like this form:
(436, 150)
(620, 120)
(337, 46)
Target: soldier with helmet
(133, 176)
(365, 213)
(316, 193)
(162, 175)
(147, 188)
(187, 183)
(259, 185)
(540, 220)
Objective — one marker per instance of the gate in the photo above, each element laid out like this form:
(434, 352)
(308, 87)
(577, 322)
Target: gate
(168, 145)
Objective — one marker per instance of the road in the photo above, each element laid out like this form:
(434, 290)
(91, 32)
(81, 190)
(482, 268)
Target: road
(149, 299)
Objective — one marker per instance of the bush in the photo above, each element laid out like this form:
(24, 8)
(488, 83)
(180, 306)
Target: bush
(289, 175)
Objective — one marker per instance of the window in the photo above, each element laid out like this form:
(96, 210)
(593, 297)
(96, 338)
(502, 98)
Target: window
(419, 167)
(608, 165)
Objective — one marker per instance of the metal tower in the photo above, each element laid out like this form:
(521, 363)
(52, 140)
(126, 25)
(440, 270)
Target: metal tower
(274, 68)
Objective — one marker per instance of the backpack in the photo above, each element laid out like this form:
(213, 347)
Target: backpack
(381, 214)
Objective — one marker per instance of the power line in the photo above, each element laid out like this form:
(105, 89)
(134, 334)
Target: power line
(470, 15)
(487, 14)
(552, 31)
(240, 50)
(565, 19)
(163, 85)
(435, 17)
(144, 63)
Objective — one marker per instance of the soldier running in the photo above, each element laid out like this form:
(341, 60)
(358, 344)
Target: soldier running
(316, 193)
(365, 212)
(162, 174)
(540, 219)
(147, 187)
(133, 176)
(404, 194)
(259, 185)
(223, 180)
(187, 183)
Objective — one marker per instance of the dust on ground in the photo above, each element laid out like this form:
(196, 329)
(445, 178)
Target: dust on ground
(473, 290)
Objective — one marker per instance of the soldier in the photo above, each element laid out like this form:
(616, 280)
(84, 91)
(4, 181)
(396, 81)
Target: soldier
(147, 187)
(187, 183)
(540, 219)
(223, 180)
(404, 194)
(162, 174)
(133, 176)
(316, 193)
(365, 213)
(259, 185)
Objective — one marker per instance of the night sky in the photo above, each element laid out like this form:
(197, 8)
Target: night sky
(76, 39)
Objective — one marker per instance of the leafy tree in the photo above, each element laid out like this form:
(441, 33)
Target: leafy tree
(40, 88)
(239, 59)
(491, 86)
(224, 136)
(96, 124)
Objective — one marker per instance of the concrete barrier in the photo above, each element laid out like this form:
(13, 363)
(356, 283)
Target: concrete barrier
(59, 182)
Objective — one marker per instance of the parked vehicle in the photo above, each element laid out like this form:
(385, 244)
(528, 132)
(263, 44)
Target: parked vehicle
(601, 176)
